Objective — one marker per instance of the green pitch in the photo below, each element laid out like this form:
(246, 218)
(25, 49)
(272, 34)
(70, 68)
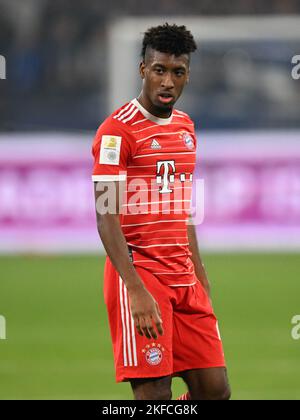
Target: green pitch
(58, 344)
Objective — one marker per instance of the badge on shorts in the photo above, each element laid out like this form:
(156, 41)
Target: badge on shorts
(153, 354)
(110, 150)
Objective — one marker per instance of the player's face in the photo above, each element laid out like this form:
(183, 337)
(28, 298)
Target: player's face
(164, 77)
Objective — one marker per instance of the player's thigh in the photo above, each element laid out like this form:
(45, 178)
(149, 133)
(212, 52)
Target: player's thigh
(207, 384)
(135, 356)
(152, 388)
(196, 340)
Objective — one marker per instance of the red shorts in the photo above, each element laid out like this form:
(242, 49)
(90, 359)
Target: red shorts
(191, 337)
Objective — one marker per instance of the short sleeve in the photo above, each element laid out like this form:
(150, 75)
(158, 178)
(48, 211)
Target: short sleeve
(111, 151)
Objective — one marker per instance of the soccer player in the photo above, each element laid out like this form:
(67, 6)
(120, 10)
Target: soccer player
(156, 289)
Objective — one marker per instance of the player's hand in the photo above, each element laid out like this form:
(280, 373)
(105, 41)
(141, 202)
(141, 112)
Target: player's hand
(145, 312)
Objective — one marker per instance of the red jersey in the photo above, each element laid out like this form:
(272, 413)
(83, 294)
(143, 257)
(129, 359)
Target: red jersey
(156, 157)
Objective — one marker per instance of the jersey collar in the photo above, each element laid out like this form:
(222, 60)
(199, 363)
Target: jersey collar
(160, 121)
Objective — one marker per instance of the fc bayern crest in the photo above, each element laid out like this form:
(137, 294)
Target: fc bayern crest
(153, 354)
(188, 141)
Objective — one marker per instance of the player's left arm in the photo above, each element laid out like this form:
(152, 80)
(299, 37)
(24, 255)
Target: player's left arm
(196, 258)
(194, 248)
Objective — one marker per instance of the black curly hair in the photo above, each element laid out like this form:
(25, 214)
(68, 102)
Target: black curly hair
(172, 39)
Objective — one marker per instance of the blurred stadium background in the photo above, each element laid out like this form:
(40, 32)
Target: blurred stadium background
(69, 63)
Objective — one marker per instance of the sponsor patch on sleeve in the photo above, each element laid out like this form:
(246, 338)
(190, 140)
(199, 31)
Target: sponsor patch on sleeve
(110, 150)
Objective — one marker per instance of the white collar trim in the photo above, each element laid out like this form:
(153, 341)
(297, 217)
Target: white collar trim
(160, 121)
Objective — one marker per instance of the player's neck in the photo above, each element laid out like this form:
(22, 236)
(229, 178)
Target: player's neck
(152, 109)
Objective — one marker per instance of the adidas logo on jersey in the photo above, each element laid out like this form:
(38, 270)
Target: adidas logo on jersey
(155, 145)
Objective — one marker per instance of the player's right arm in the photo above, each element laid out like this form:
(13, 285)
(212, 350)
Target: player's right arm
(108, 181)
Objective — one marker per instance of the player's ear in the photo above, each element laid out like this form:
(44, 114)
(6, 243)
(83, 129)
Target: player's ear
(142, 69)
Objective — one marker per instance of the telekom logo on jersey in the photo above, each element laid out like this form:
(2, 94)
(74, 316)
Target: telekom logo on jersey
(167, 177)
(166, 193)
